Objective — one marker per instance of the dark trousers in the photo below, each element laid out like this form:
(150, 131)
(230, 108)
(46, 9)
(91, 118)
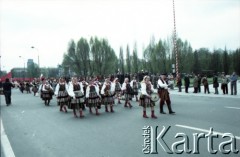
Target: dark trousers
(8, 97)
(168, 101)
(225, 88)
(206, 89)
(234, 88)
(195, 90)
(180, 88)
(199, 88)
(186, 89)
(216, 90)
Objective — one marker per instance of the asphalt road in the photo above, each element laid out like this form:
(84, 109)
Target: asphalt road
(36, 130)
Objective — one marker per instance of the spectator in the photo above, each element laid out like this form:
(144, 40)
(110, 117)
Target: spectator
(179, 83)
(215, 83)
(7, 90)
(225, 82)
(199, 83)
(195, 84)
(233, 80)
(205, 84)
(186, 82)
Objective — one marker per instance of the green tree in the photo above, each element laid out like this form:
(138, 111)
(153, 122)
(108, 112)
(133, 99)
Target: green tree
(225, 61)
(121, 60)
(128, 60)
(135, 59)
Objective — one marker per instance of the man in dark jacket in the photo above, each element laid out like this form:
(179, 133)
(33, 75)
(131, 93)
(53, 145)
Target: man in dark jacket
(7, 90)
(215, 83)
(186, 82)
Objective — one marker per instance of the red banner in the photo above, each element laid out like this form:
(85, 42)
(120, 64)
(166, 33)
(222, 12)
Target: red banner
(8, 75)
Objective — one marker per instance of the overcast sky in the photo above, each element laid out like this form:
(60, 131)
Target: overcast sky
(49, 25)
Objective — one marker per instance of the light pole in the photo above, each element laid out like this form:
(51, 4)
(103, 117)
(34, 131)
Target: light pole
(23, 67)
(38, 55)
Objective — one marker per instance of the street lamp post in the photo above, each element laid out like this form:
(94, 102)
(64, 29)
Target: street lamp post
(38, 55)
(23, 67)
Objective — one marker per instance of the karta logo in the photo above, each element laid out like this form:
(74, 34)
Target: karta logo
(154, 139)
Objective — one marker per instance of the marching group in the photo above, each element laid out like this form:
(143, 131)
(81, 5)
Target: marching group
(79, 94)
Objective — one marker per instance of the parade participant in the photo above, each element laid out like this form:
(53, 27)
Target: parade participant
(76, 92)
(128, 91)
(62, 94)
(134, 85)
(145, 98)
(108, 93)
(28, 85)
(35, 87)
(7, 91)
(164, 94)
(47, 93)
(93, 97)
(118, 91)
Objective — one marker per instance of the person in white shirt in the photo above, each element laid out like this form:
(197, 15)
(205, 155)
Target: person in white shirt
(93, 97)
(47, 93)
(127, 90)
(134, 85)
(107, 91)
(145, 98)
(76, 92)
(164, 94)
(61, 92)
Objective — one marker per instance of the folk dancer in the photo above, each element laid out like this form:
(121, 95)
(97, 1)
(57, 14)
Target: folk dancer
(145, 98)
(108, 93)
(47, 93)
(93, 97)
(134, 85)
(118, 90)
(77, 97)
(62, 94)
(127, 90)
(164, 94)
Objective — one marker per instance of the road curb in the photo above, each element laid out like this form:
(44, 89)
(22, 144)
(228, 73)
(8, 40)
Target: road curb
(5, 144)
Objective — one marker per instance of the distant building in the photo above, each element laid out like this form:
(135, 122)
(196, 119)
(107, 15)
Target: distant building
(19, 72)
(30, 62)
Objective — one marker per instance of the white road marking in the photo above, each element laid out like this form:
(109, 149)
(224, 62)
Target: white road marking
(203, 130)
(6, 146)
(232, 107)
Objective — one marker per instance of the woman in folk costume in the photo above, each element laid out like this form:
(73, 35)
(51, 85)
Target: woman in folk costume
(76, 92)
(47, 92)
(118, 90)
(61, 92)
(134, 85)
(93, 97)
(108, 95)
(127, 90)
(145, 98)
(164, 94)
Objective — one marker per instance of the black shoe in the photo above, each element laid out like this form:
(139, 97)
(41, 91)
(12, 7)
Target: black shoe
(163, 112)
(171, 112)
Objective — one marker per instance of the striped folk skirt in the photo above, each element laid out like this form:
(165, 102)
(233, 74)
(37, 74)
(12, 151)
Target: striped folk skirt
(146, 101)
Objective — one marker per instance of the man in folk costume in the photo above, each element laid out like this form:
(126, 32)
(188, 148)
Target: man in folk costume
(145, 98)
(76, 92)
(47, 92)
(127, 90)
(62, 94)
(92, 97)
(118, 90)
(108, 95)
(164, 94)
(134, 85)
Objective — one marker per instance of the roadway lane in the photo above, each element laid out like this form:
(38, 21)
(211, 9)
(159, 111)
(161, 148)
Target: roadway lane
(36, 130)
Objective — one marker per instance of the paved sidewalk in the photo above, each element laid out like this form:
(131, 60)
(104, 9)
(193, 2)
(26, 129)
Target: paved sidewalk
(211, 89)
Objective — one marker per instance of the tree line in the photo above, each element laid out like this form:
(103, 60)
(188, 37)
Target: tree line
(97, 57)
